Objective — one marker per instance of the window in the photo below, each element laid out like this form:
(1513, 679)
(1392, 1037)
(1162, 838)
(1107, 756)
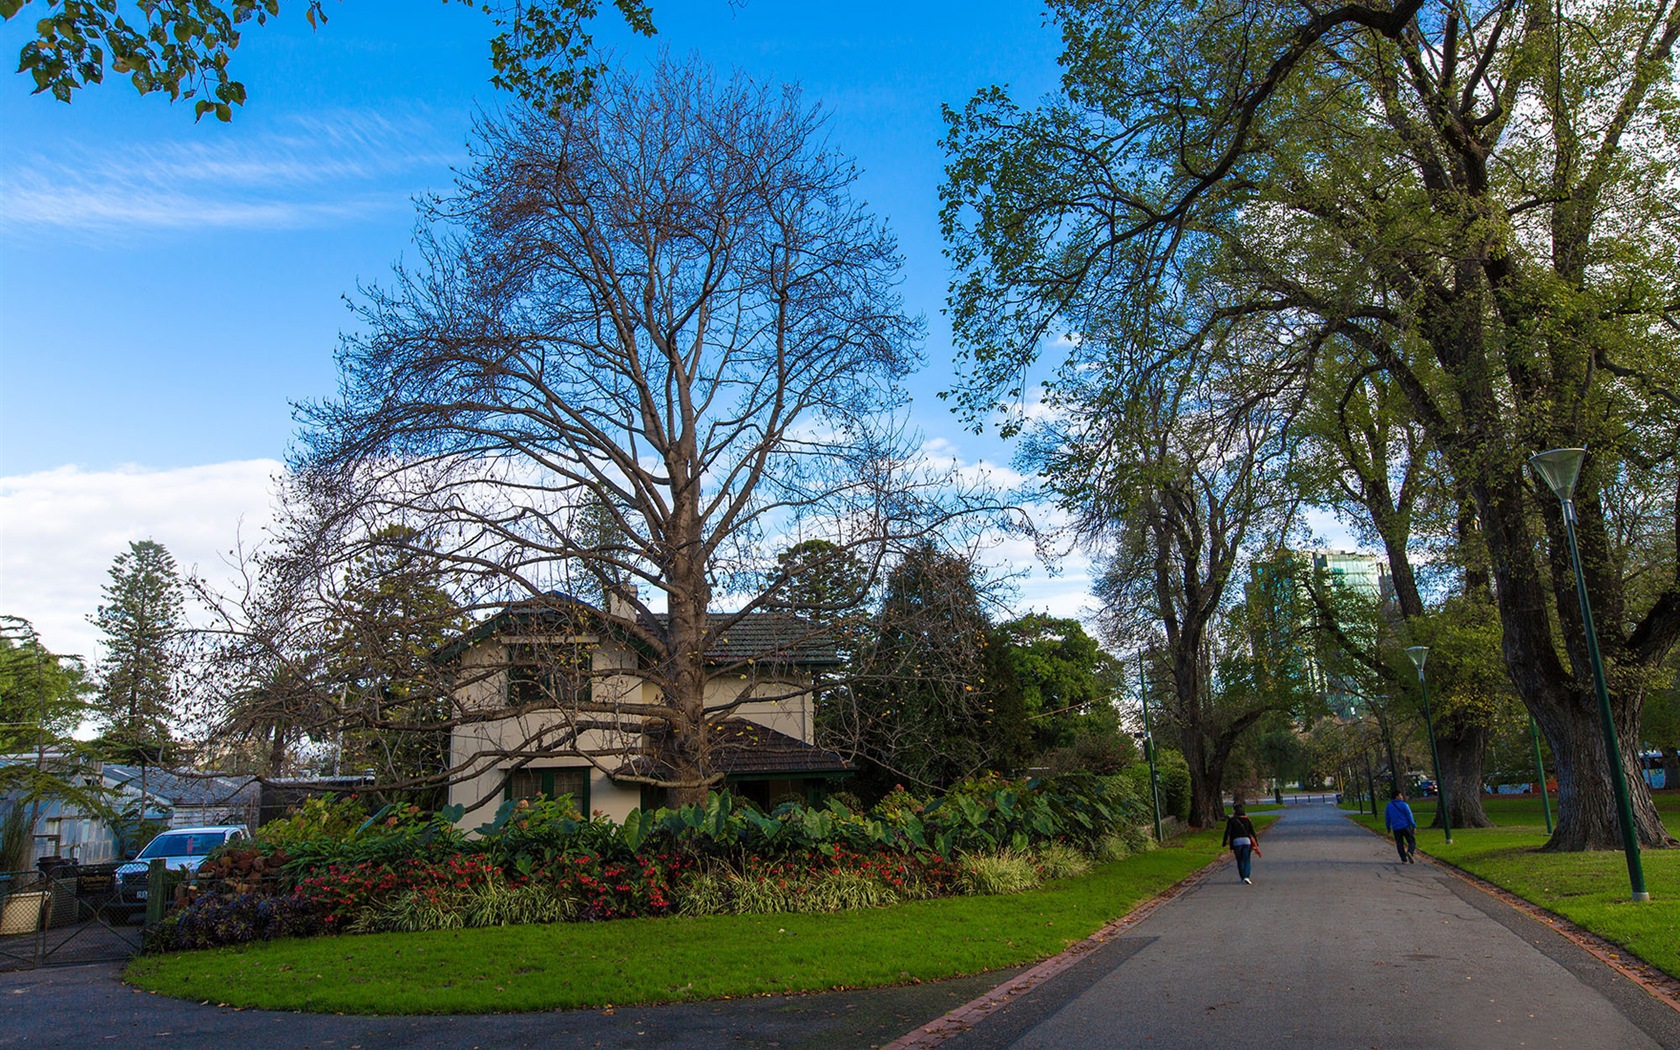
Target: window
(178, 845)
(550, 782)
(548, 674)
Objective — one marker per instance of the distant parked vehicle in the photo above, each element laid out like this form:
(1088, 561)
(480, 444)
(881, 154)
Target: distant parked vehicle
(182, 849)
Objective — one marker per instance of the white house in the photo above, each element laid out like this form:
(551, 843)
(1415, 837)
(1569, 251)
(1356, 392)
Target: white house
(537, 660)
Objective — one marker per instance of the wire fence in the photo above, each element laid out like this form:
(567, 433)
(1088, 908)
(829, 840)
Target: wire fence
(68, 913)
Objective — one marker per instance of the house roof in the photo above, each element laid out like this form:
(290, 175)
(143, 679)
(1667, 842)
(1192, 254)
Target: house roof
(743, 748)
(202, 790)
(766, 637)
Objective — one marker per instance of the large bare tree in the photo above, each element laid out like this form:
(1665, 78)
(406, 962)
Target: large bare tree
(650, 341)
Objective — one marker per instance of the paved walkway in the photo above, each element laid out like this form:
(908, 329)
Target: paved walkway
(1336, 945)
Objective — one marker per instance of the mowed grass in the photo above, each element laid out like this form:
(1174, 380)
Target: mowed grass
(1589, 889)
(632, 961)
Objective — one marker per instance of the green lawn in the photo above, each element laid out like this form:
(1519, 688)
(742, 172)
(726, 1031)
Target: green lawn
(1589, 889)
(515, 968)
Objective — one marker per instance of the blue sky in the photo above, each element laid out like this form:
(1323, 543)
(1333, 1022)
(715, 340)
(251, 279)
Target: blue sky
(168, 289)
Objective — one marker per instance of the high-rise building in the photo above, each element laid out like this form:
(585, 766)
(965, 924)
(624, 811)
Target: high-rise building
(1282, 619)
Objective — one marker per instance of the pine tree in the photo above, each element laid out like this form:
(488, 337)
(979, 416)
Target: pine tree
(142, 622)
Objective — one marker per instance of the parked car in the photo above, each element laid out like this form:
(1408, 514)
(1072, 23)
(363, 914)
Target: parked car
(181, 849)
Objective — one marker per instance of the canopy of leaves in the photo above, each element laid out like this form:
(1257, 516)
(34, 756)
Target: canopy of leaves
(542, 51)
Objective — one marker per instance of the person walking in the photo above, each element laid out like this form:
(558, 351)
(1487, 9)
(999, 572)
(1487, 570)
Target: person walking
(1240, 836)
(1400, 822)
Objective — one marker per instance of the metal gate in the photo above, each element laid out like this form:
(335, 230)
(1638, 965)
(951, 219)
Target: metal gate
(66, 914)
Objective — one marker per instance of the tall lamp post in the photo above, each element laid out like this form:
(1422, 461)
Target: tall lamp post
(1420, 653)
(1540, 767)
(1149, 751)
(1559, 468)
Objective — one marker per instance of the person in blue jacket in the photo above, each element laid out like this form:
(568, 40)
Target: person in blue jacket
(1399, 820)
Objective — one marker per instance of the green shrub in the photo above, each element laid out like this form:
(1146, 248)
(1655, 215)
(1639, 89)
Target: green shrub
(498, 904)
(849, 800)
(1057, 860)
(987, 874)
(314, 818)
(757, 895)
(846, 890)
(1175, 784)
(528, 833)
(396, 834)
(704, 893)
(410, 912)
(1111, 848)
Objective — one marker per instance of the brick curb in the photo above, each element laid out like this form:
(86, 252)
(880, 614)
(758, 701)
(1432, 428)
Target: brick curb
(976, 1010)
(1658, 984)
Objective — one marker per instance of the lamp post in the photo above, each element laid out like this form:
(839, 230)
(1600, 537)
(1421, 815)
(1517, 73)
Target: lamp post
(1559, 468)
(1420, 653)
(1149, 750)
(1540, 766)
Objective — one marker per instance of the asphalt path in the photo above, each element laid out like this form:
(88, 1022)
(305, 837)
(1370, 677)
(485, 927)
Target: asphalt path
(1336, 945)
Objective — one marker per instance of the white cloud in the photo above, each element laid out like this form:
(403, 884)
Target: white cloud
(60, 529)
(315, 170)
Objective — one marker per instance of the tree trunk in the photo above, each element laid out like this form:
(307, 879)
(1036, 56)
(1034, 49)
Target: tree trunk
(1587, 815)
(1671, 768)
(1563, 703)
(1463, 751)
(1207, 796)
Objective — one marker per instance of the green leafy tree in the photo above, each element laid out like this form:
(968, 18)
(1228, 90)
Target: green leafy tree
(821, 581)
(43, 698)
(1473, 201)
(139, 678)
(544, 51)
(1067, 681)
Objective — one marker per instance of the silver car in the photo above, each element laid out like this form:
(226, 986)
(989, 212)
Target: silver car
(181, 849)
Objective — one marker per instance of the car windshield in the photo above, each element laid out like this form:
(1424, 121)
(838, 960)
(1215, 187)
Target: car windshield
(196, 844)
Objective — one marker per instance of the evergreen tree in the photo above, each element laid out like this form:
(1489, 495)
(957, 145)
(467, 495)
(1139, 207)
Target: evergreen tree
(395, 612)
(142, 623)
(137, 680)
(935, 703)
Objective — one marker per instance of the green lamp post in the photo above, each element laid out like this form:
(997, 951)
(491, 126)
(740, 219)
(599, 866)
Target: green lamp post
(1420, 653)
(1540, 767)
(1149, 751)
(1559, 468)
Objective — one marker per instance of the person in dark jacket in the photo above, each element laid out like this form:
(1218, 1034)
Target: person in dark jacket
(1241, 837)
(1400, 822)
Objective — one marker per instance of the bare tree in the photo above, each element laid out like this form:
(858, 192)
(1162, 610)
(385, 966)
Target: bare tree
(649, 341)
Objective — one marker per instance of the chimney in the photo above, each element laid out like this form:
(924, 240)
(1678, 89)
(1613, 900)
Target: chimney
(623, 601)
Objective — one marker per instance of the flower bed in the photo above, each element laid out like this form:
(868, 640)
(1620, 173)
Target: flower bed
(544, 862)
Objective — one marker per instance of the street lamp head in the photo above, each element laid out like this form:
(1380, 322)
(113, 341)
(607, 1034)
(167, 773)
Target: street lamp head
(1559, 468)
(1418, 653)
